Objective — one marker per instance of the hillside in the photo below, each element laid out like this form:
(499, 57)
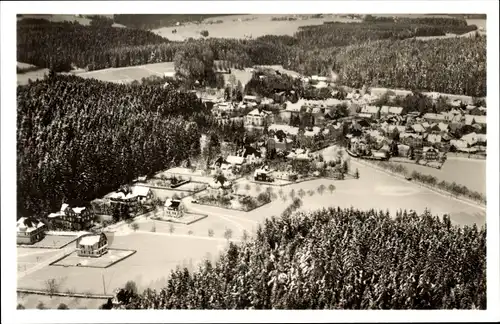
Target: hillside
(338, 259)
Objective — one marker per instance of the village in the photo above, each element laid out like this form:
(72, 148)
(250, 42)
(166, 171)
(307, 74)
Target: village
(285, 140)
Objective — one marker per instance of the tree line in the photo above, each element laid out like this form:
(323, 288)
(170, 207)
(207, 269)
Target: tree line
(337, 259)
(81, 138)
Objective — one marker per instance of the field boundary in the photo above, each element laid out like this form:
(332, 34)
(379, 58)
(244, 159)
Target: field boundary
(179, 221)
(60, 294)
(84, 266)
(28, 246)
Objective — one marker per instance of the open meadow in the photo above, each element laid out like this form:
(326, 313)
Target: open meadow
(243, 26)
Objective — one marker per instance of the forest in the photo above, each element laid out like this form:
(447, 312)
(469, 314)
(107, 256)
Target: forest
(78, 139)
(371, 53)
(336, 259)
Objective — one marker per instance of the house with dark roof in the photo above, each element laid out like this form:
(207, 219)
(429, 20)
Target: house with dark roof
(72, 218)
(173, 208)
(29, 230)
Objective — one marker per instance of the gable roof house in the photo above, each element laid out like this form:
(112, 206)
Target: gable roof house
(433, 138)
(434, 117)
(173, 208)
(471, 119)
(389, 110)
(71, 218)
(418, 128)
(372, 110)
(92, 245)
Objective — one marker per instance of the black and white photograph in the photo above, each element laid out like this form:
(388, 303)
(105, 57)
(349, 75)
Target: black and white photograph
(337, 156)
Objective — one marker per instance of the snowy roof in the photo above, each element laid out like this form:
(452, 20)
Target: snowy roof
(406, 135)
(471, 119)
(364, 115)
(459, 143)
(434, 138)
(295, 106)
(418, 128)
(140, 191)
(232, 159)
(320, 85)
(434, 116)
(287, 129)
(25, 224)
(172, 203)
(90, 240)
(313, 132)
(370, 109)
(64, 206)
(443, 126)
(78, 210)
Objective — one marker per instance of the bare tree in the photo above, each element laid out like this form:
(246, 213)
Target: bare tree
(51, 286)
(281, 193)
(134, 226)
(210, 232)
(331, 188)
(245, 235)
(248, 187)
(301, 193)
(321, 189)
(292, 193)
(171, 228)
(228, 233)
(310, 193)
(190, 232)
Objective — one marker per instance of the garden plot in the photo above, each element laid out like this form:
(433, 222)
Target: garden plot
(52, 242)
(156, 256)
(111, 257)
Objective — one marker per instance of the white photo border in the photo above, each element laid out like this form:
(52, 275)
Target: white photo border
(8, 156)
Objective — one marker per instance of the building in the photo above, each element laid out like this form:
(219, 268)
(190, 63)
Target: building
(433, 138)
(434, 117)
(143, 194)
(391, 111)
(223, 108)
(235, 161)
(263, 174)
(253, 100)
(259, 118)
(372, 110)
(471, 120)
(92, 245)
(418, 128)
(29, 230)
(287, 129)
(430, 153)
(411, 139)
(173, 208)
(71, 218)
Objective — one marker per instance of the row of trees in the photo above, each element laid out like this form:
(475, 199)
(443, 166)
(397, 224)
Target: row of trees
(338, 259)
(81, 138)
(451, 187)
